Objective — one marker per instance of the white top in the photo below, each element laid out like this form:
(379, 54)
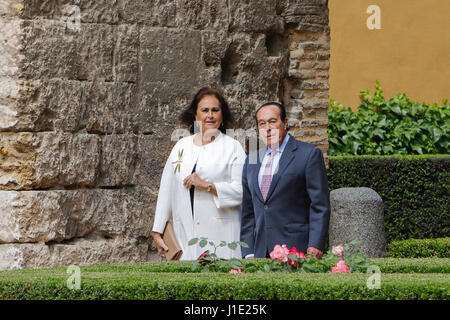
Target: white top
(215, 217)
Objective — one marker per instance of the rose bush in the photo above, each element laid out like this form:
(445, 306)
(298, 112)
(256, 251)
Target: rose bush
(340, 267)
(209, 261)
(234, 271)
(337, 250)
(341, 260)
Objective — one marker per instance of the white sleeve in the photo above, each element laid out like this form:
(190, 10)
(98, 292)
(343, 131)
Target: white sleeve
(229, 194)
(164, 202)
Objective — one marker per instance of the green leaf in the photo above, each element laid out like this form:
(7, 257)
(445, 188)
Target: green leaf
(293, 257)
(192, 241)
(205, 270)
(236, 264)
(243, 244)
(203, 243)
(232, 245)
(310, 268)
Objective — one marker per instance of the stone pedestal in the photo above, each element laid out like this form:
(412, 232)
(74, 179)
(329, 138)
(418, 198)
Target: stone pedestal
(357, 214)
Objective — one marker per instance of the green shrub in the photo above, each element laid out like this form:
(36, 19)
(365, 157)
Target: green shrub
(387, 265)
(414, 189)
(131, 284)
(420, 248)
(380, 127)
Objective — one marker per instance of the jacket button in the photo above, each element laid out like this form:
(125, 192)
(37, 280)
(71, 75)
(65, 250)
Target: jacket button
(266, 206)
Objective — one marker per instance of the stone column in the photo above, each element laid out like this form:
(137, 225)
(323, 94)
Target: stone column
(357, 214)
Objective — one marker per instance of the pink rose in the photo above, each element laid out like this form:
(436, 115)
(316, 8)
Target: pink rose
(280, 253)
(202, 259)
(338, 250)
(298, 254)
(234, 271)
(340, 267)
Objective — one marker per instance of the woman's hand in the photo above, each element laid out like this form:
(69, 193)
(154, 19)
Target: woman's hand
(196, 181)
(160, 245)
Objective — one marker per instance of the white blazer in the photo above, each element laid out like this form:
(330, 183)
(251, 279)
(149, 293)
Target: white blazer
(215, 217)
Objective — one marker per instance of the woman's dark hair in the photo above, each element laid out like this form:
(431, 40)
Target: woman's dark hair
(187, 117)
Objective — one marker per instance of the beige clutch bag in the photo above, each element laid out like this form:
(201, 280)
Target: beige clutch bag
(170, 240)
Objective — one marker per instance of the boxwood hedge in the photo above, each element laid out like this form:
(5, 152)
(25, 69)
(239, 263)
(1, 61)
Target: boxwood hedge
(420, 248)
(140, 281)
(386, 265)
(414, 189)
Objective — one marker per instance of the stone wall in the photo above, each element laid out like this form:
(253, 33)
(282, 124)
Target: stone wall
(86, 112)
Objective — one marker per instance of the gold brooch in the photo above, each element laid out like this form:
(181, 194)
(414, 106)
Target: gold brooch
(180, 160)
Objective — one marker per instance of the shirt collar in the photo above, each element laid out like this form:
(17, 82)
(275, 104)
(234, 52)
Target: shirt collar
(281, 148)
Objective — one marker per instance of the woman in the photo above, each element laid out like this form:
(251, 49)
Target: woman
(201, 182)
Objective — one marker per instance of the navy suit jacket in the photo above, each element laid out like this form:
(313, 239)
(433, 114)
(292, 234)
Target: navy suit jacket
(297, 208)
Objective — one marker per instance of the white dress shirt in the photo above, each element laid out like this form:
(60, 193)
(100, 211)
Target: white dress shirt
(275, 162)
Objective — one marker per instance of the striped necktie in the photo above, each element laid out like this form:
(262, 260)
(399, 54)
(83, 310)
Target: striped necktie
(267, 175)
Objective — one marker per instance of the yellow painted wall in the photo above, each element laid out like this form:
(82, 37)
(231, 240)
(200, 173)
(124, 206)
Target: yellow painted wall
(410, 53)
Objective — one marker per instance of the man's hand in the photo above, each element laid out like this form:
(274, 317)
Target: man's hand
(316, 253)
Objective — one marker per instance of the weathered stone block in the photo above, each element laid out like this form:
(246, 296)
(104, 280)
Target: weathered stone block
(8, 111)
(126, 53)
(159, 49)
(214, 46)
(63, 215)
(152, 156)
(100, 11)
(83, 54)
(42, 160)
(69, 105)
(10, 8)
(78, 252)
(247, 70)
(255, 16)
(111, 107)
(314, 84)
(10, 47)
(148, 12)
(49, 105)
(307, 74)
(118, 160)
(202, 14)
(357, 214)
(166, 88)
(313, 123)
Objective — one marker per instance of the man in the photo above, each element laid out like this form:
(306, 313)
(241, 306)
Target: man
(285, 191)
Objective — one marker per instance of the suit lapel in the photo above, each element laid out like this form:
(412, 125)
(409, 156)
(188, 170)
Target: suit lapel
(286, 157)
(255, 174)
